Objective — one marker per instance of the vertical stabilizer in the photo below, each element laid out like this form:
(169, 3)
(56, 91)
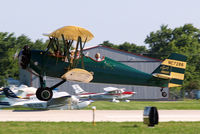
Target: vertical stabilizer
(172, 68)
(78, 89)
(9, 93)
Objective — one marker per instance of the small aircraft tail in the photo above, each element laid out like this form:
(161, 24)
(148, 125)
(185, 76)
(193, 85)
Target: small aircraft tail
(172, 68)
(9, 93)
(78, 89)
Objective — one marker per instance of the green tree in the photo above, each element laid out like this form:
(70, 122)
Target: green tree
(6, 50)
(160, 42)
(108, 44)
(9, 45)
(126, 46)
(131, 47)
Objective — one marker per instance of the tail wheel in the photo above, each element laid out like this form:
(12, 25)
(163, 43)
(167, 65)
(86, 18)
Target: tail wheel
(44, 94)
(164, 94)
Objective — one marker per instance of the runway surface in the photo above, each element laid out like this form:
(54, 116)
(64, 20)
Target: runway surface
(100, 115)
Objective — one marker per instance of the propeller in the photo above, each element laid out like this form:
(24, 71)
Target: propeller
(24, 57)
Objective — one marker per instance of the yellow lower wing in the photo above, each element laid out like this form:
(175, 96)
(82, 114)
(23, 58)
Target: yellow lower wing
(77, 74)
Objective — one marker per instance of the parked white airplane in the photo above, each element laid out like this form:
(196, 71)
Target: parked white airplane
(23, 91)
(60, 100)
(112, 93)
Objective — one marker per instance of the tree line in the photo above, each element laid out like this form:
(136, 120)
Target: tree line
(183, 40)
(10, 45)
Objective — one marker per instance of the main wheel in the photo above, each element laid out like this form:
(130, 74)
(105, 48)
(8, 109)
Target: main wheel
(44, 94)
(164, 94)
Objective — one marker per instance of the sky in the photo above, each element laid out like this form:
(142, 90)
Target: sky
(117, 21)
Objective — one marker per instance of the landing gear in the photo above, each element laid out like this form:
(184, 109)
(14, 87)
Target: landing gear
(164, 94)
(44, 94)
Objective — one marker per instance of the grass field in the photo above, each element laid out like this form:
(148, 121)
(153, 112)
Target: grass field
(139, 105)
(111, 127)
(100, 128)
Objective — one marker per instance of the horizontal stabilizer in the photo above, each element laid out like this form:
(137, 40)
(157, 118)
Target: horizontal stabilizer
(163, 76)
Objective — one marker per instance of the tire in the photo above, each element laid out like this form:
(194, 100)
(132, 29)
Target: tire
(38, 92)
(44, 94)
(164, 94)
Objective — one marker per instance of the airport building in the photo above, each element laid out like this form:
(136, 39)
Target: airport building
(139, 62)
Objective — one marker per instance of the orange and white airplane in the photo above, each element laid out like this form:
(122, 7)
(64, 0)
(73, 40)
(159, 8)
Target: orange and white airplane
(111, 93)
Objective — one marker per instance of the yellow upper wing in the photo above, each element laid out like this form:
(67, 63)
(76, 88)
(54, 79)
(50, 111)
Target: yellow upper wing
(72, 33)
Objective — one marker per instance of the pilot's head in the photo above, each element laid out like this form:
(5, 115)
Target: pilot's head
(97, 55)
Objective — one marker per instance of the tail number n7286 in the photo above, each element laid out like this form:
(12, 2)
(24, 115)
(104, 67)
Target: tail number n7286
(174, 63)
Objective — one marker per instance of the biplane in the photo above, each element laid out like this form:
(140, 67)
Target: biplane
(64, 58)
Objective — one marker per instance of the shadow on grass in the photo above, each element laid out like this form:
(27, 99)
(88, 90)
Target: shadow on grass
(131, 126)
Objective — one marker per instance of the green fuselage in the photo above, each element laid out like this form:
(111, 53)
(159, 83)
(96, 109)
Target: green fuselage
(105, 71)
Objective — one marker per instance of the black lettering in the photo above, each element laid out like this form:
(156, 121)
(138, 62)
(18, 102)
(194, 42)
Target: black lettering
(175, 63)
